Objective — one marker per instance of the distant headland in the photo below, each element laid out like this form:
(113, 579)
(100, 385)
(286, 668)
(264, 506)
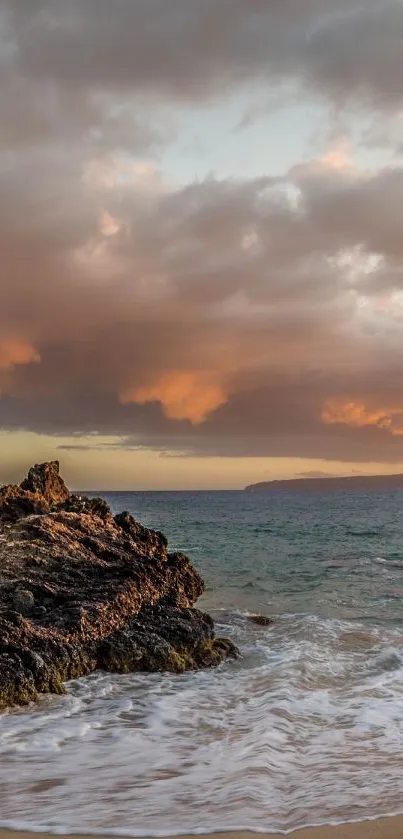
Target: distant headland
(357, 483)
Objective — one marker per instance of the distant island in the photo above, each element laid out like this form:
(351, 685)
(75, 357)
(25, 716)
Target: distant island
(357, 483)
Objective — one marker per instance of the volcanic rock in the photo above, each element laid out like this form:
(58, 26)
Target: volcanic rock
(81, 589)
(260, 620)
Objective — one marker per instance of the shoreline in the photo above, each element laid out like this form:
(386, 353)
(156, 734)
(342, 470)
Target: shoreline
(383, 828)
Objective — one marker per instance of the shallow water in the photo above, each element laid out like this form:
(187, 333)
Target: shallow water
(307, 727)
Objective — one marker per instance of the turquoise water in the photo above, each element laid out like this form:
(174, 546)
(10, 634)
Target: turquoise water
(335, 555)
(306, 728)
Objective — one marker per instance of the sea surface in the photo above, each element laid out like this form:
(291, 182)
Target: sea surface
(306, 728)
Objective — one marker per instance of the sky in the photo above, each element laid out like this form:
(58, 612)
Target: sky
(201, 240)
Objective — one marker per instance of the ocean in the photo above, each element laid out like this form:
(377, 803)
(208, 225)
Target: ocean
(305, 728)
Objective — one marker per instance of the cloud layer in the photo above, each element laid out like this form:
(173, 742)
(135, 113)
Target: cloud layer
(195, 50)
(232, 317)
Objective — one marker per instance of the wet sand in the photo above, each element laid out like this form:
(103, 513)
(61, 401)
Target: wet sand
(391, 828)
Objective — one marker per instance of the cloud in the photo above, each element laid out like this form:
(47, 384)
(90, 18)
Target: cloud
(231, 317)
(193, 50)
(14, 352)
(183, 394)
(75, 448)
(109, 79)
(358, 415)
(338, 157)
(172, 334)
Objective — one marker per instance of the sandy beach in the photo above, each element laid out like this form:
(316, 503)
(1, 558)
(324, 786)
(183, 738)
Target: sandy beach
(388, 828)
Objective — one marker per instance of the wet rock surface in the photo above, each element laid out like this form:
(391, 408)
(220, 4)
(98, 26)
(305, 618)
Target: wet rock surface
(81, 589)
(260, 620)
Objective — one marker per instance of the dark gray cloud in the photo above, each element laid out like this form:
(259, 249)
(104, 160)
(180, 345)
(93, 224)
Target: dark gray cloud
(194, 49)
(102, 72)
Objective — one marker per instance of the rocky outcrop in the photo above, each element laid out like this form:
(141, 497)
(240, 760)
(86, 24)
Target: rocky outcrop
(42, 489)
(81, 589)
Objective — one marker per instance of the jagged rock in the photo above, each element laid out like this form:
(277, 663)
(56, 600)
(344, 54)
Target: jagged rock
(164, 638)
(15, 502)
(82, 590)
(41, 491)
(45, 481)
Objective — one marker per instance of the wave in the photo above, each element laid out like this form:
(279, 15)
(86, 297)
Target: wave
(19, 826)
(308, 721)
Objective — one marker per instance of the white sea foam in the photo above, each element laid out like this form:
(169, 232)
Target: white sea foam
(308, 723)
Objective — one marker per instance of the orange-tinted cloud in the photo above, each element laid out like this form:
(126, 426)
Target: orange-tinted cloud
(15, 352)
(358, 415)
(338, 157)
(184, 395)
